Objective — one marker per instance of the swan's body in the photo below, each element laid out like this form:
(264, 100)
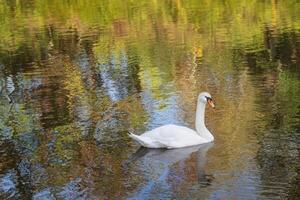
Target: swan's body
(173, 136)
(169, 136)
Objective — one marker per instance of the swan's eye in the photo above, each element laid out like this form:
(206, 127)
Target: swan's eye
(208, 98)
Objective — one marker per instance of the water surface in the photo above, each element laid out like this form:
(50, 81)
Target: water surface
(75, 76)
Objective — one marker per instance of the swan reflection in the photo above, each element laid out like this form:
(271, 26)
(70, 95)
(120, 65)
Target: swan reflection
(165, 169)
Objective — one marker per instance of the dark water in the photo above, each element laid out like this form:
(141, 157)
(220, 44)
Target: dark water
(75, 76)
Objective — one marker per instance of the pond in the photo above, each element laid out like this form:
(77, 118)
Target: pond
(76, 76)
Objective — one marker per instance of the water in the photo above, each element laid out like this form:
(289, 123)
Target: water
(75, 76)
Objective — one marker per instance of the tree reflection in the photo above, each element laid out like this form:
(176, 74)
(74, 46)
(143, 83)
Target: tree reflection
(75, 76)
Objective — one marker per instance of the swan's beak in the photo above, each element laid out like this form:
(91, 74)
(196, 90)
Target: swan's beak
(211, 103)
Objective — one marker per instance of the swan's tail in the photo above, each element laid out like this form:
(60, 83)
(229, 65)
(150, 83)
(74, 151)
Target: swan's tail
(137, 139)
(147, 142)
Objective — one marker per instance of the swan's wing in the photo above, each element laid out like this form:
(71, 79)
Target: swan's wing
(173, 136)
(169, 130)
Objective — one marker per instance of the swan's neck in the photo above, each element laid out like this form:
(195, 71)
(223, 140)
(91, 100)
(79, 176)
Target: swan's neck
(200, 125)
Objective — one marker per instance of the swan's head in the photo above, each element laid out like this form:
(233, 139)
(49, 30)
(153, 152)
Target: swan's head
(205, 97)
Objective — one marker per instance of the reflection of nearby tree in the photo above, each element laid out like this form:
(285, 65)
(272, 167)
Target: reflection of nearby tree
(18, 126)
(294, 190)
(64, 42)
(278, 154)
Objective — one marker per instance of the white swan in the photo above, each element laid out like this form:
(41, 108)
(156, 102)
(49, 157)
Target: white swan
(173, 136)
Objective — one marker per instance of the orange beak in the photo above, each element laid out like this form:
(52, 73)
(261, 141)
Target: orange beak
(211, 103)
